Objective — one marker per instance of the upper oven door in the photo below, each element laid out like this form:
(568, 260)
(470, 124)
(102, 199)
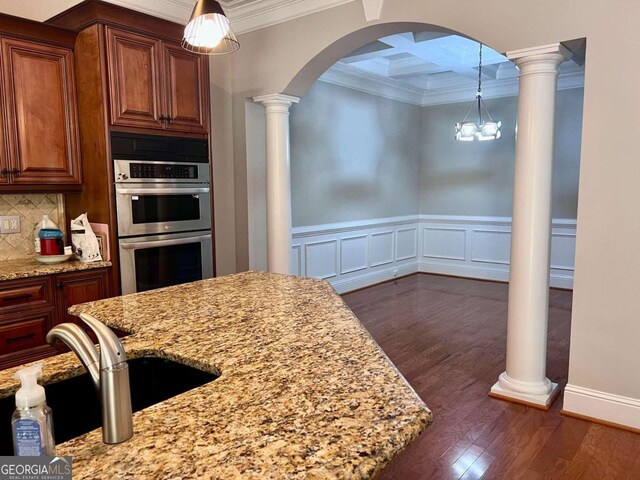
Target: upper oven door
(155, 208)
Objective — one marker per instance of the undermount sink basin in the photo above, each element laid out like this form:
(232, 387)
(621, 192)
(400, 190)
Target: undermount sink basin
(76, 406)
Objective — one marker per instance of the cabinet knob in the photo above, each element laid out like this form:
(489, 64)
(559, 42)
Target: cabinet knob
(4, 173)
(16, 172)
(60, 285)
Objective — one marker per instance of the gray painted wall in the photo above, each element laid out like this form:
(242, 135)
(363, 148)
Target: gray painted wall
(476, 178)
(354, 156)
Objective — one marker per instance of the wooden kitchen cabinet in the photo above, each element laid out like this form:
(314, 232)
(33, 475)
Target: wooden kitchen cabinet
(134, 79)
(155, 84)
(26, 315)
(186, 86)
(30, 307)
(23, 337)
(79, 287)
(39, 126)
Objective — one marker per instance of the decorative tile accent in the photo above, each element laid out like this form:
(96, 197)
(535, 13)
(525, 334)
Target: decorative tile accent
(30, 208)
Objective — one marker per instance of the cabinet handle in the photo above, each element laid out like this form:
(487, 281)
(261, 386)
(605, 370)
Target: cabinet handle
(4, 173)
(16, 172)
(21, 338)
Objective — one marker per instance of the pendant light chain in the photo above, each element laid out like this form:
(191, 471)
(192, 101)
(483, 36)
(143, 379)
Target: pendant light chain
(480, 87)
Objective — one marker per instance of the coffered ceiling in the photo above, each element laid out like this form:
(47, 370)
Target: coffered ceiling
(428, 68)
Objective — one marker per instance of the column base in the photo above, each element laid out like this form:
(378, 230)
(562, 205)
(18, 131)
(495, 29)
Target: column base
(541, 401)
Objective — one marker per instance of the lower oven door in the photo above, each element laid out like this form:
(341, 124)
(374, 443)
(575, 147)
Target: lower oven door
(145, 209)
(163, 260)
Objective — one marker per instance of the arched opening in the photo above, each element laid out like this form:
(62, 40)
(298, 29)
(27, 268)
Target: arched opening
(328, 250)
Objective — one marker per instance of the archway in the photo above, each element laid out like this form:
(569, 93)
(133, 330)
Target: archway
(525, 378)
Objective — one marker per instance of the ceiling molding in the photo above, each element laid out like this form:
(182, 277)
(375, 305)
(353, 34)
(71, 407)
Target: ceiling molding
(366, 82)
(379, 85)
(245, 15)
(177, 11)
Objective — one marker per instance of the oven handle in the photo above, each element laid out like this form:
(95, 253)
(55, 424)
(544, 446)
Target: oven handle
(161, 191)
(164, 243)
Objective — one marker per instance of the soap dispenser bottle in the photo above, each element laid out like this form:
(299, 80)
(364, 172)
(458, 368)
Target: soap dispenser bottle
(32, 422)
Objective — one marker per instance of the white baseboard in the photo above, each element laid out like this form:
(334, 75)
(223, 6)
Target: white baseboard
(486, 273)
(624, 411)
(366, 280)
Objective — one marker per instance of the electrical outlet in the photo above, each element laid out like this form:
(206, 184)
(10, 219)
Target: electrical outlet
(10, 224)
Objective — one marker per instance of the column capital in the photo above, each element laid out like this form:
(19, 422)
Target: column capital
(553, 48)
(279, 99)
(539, 60)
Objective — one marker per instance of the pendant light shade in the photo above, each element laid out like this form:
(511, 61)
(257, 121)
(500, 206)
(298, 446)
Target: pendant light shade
(467, 131)
(208, 31)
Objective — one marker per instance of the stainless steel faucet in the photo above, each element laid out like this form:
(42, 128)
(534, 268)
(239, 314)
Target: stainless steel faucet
(109, 372)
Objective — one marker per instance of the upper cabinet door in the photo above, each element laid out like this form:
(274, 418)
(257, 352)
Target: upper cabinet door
(40, 105)
(186, 80)
(134, 80)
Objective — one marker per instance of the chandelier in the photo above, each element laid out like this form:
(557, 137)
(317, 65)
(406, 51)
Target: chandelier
(468, 131)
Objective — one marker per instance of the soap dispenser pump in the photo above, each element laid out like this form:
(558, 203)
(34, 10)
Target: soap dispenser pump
(32, 422)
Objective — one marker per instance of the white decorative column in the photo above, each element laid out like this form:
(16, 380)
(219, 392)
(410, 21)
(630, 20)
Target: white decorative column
(525, 378)
(278, 180)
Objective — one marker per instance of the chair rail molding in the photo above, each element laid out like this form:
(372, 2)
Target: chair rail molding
(352, 255)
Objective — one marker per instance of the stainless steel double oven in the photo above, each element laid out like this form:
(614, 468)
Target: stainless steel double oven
(163, 203)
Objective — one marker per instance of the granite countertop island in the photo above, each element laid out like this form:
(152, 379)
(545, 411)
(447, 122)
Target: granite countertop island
(304, 392)
(29, 267)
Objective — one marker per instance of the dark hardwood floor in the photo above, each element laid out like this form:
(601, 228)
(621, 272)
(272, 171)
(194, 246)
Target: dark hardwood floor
(447, 336)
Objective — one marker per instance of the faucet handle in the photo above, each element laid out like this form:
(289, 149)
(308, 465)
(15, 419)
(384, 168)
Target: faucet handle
(111, 349)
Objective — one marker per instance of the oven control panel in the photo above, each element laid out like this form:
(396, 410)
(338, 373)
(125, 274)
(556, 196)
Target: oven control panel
(136, 171)
(154, 170)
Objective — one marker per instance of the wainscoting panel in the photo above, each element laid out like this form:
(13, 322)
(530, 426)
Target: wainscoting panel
(296, 260)
(321, 259)
(368, 252)
(445, 243)
(407, 243)
(381, 248)
(488, 248)
(491, 246)
(354, 255)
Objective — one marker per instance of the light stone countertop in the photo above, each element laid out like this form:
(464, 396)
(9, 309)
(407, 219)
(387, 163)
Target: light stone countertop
(29, 267)
(304, 391)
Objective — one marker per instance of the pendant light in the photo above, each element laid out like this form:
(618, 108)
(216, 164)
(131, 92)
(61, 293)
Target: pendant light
(208, 31)
(467, 131)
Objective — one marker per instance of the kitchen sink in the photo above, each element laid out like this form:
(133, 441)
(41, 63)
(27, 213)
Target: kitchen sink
(76, 406)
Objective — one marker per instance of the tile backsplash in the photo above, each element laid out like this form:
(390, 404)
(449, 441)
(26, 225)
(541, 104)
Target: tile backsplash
(30, 208)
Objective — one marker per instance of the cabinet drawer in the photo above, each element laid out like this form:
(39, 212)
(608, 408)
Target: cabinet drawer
(29, 293)
(24, 335)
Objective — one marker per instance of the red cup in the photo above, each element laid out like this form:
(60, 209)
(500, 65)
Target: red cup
(51, 246)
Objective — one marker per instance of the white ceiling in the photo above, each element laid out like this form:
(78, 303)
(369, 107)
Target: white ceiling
(429, 68)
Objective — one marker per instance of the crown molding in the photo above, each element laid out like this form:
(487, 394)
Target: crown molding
(177, 11)
(381, 86)
(245, 16)
(366, 82)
